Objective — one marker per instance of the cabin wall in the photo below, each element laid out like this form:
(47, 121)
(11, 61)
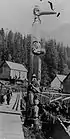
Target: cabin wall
(21, 75)
(56, 83)
(66, 86)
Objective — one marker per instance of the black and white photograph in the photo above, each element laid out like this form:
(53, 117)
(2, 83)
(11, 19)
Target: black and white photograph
(34, 69)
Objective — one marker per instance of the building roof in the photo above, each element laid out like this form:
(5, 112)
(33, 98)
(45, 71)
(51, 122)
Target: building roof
(16, 66)
(56, 83)
(66, 77)
(61, 77)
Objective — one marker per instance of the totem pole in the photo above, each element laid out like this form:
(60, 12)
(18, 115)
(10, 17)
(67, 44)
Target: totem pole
(36, 49)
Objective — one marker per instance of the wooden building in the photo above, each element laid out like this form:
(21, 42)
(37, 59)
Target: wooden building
(57, 82)
(66, 84)
(11, 70)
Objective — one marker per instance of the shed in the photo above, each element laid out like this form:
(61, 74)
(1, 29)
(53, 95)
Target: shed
(58, 81)
(11, 70)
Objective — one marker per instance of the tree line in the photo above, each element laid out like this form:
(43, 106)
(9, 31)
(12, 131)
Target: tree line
(16, 48)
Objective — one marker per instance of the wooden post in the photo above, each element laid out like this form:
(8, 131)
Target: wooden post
(35, 59)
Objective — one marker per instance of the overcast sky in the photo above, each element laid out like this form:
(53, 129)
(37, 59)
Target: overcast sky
(17, 14)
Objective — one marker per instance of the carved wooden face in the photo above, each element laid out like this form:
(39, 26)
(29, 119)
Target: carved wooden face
(36, 48)
(36, 45)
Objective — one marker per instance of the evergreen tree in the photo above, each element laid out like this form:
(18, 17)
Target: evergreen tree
(61, 60)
